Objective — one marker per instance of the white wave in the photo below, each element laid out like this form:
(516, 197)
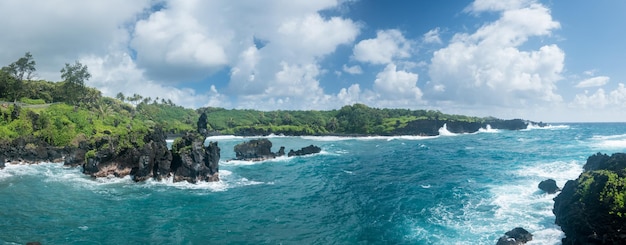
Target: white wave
(327, 138)
(348, 172)
(607, 137)
(340, 152)
(426, 186)
(488, 129)
(223, 137)
(609, 141)
(531, 126)
(611, 144)
(521, 200)
(560, 171)
(410, 137)
(217, 186)
(444, 131)
(275, 136)
(517, 203)
(366, 138)
(20, 169)
(248, 163)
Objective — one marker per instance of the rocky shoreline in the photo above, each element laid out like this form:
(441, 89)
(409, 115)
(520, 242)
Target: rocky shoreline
(421, 127)
(189, 159)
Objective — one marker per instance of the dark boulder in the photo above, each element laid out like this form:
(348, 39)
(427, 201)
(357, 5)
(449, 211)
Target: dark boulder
(254, 150)
(590, 209)
(305, 151)
(515, 237)
(549, 186)
(2, 162)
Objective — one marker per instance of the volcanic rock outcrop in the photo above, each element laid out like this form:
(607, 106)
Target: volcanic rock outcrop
(261, 150)
(591, 209)
(515, 237)
(193, 161)
(549, 186)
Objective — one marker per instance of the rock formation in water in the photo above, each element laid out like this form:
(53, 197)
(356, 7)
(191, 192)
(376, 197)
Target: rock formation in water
(305, 151)
(254, 150)
(261, 150)
(141, 160)
(515, 237)
(549, 186)
(591, 209)
(193, 162)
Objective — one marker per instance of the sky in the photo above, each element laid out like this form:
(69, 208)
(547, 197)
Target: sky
(551, 61)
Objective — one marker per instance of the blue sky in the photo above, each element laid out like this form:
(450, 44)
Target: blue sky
(554, 61)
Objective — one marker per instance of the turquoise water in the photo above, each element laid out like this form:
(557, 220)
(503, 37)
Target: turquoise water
(451, 189)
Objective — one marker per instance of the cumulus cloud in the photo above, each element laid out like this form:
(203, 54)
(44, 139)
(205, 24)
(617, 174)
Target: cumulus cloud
(601, 98)
(387, 46)
(393, 84)
(593, 82)
(487, 66)
(352, 69)
(350, 95)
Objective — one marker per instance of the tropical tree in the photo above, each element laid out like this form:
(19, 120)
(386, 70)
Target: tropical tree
(75, 77)
(120, 96)
(135, 99)
(23, 68)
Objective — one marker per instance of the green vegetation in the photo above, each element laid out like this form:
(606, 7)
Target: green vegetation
(67, 112)
(604, 186)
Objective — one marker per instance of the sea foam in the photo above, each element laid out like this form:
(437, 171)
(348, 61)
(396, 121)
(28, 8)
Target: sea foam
(488, 129)
(444, 131)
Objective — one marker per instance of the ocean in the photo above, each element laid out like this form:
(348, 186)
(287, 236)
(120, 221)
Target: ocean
(448, 189)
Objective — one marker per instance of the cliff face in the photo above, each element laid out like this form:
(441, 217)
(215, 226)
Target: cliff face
(591, 209)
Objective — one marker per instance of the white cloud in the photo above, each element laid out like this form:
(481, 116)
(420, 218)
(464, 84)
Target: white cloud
(593, 82)
(602, 99)
(387, 46)
(60, 31)
(432, 36)
(497, 5)
(487, 67)
(392, 84)
(352, 69)
(116, 72)
(591, 72)
(349, 96)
